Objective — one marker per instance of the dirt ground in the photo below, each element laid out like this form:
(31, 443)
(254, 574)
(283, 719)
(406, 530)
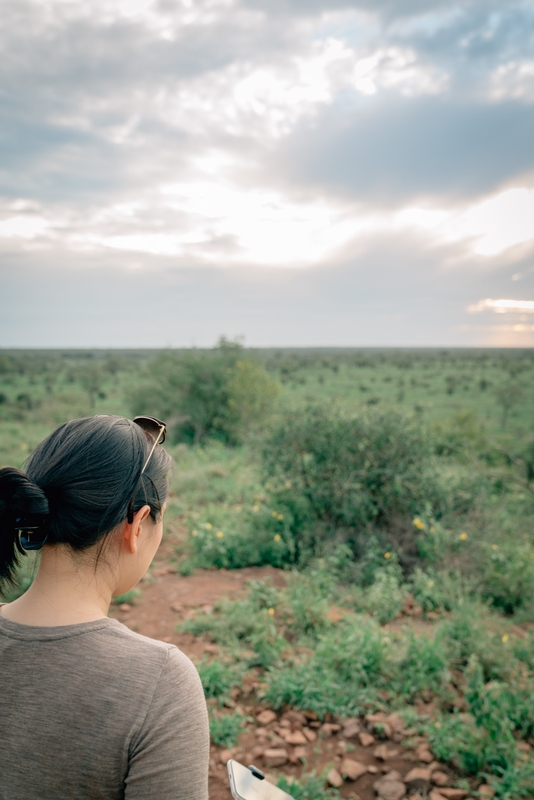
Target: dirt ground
(291, 741)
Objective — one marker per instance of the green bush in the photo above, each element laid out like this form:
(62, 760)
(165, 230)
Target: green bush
(218, 678)
(508, 574)
(219, 393)
(308, 787)
(334, 475)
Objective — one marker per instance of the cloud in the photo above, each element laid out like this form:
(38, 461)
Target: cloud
(502, 306)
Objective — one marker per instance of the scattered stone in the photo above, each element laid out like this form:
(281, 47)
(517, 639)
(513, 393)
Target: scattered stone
(225, 755)
(328, 729)
(453, 794)
(418, 778)
(351, 731)
(389, 789)
(275, 756)
(207, 609)
(210, 648)
(296, 738)
(423, 753)
(257, 751)
(352, 769)
(178, 607)
(311, 715)
(372, 769)
(298, 754)
(125, 607)
(435, 795)
(485, 790)
(396, 722)
(393, 775)
(310, 735)
(261, 733)
(266, 717)
(284, 723)
(416, 796)
(381, 752)
(296, 717)
(277, 741)
(366, 739)
(440, 778)
(341, 748)
(334, 778)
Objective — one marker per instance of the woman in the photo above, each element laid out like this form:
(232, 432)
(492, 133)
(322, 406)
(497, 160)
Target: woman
(89, 709)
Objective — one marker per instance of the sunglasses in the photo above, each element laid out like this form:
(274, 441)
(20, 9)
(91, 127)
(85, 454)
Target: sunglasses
(157, 430)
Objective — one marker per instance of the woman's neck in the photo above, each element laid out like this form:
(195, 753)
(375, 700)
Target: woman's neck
(63, 593)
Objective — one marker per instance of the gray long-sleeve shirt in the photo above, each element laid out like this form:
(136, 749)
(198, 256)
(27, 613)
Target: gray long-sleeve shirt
(96, 712)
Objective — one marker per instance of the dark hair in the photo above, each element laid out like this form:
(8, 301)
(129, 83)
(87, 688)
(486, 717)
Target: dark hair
(79, 483)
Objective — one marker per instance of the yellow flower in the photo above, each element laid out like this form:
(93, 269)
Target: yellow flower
(277, 537)
(219, 534)
(505, 638)
(419, 524)
(387, 555)
(463, 537)
(430, 584)
(209, 526)
(274, 514)
(280, 516)
(288, 484)
(271, 612)
(255, 508)
(494, 546)
(238, 509)
(194, 533)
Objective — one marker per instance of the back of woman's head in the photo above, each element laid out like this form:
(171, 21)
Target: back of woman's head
(79, 484)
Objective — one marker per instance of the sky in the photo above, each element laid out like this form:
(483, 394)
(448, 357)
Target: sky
(292, 172)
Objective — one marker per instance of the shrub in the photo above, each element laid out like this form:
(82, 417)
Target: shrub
(332, 473)
(216, 394)
(508, 574)
(385, 597)
(218, 678)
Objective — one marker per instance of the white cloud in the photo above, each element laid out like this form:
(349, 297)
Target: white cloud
(513, 79)
(502, 306)
(268, 101)
(23, 227)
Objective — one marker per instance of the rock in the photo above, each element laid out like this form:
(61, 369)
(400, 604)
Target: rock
(366, 739)
(261, 733)
(396, 722)
(485, 790)
(296, 738)
(334, 778)
(381, 752)
(296, 717)
(351, 731)
(453, 794)
(389, 789)
(352, 769)
(393, 775)
(341, 748)
(311, 715)
(328, 729)
(298, 754)
(225, 755)
(285, 723)
(435, 795)
(277, 741)
(440, 778)
(310, 735)
(372, 769)
(125, 607)
(418, 778)
(275, 756)
(257, 751)
(266, 717)
(423, 753)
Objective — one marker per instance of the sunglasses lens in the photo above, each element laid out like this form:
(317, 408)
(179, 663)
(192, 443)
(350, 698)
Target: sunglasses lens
(155, 428)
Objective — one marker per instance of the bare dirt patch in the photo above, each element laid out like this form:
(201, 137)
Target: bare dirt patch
(288, 742)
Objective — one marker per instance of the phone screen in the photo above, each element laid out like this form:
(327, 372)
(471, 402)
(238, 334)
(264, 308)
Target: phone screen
(245, 785)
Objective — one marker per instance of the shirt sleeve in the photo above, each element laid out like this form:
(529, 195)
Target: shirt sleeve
(169, 757)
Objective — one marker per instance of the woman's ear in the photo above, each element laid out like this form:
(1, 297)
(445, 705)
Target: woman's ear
(131, 531)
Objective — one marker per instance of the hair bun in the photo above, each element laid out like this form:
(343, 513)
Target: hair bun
(19, 496)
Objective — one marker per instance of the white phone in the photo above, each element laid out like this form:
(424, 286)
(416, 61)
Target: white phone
(248, 783)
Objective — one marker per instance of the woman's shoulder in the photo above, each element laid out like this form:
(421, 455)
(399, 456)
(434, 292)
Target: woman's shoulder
(136, 646)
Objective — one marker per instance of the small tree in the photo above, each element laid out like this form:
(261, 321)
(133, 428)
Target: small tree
(217, 393)
(508, 395)
(91, 378)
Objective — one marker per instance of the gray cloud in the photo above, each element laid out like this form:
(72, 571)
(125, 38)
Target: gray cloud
(366, 105)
